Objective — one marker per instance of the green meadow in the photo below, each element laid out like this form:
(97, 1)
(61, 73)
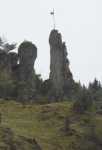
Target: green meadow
(47, 124)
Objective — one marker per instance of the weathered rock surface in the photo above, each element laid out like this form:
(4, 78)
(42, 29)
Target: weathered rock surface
(10, 141)
(5, 63)
(14, 59)
(60, 75)
(27, 53)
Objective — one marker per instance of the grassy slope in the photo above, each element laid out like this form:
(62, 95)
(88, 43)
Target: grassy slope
(46, 123)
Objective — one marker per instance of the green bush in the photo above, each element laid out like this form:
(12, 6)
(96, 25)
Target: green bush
(22, 97)
(84, 101)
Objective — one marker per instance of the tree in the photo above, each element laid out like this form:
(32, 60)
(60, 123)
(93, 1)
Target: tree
(96, 89)
(79, 84)
(90, 86)
(84, 101)
(1, 43)
(97, 95)
(95, 85)
(7, 47)
(84, 87)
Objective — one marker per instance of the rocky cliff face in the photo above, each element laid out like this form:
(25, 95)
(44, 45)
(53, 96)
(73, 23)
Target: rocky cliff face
(60, 75)
(5, 63)
(14, 59)
(27, 53)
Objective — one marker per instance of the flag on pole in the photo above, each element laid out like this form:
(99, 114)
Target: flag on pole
(52, 13)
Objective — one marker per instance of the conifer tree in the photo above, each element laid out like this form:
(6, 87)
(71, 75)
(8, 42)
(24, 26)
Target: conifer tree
(95, 85)
(7, 47)
(96, 89)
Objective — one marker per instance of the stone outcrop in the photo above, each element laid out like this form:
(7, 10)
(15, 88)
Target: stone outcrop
(61, 77)
(5, 63)
(27, 53)
(22, 72)
(14, 59)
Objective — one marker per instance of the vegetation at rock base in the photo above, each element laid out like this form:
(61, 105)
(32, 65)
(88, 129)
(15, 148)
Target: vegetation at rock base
(66, 88)
(62, 125)
(22, 97)
(96, 88)
(5, 84)
(14, 76)
(84, 101)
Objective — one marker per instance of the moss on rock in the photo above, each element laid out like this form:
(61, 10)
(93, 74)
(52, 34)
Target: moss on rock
(53, 31)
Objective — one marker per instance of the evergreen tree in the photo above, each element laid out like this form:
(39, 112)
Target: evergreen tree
(99, 85)
(90, 86)
(79, 84)
(95, 85)
(7, 47)
(84, 101)
(84, 87)
(96, 89)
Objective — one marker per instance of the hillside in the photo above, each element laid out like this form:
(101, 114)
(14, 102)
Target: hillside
(46, 124)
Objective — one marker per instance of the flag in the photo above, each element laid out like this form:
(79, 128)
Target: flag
(52, 13)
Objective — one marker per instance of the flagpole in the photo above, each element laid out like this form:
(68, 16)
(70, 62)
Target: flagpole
(53, 19)
(52, 13)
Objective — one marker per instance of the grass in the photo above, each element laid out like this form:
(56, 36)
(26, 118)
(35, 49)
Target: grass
(46, 123)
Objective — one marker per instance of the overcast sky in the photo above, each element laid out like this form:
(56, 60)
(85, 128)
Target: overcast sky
(78, 21)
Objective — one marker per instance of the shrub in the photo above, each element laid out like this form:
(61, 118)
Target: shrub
(84, 101)
(22, 97)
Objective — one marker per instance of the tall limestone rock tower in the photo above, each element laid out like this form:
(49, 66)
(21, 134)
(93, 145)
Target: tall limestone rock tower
(27, 53)
(63, 85)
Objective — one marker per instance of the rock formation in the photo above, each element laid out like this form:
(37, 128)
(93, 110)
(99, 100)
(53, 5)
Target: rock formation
(60, 75)
(14, 59)
(5, 63)
(27, 53)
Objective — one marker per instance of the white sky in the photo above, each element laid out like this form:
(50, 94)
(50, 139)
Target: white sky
(78, 21)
